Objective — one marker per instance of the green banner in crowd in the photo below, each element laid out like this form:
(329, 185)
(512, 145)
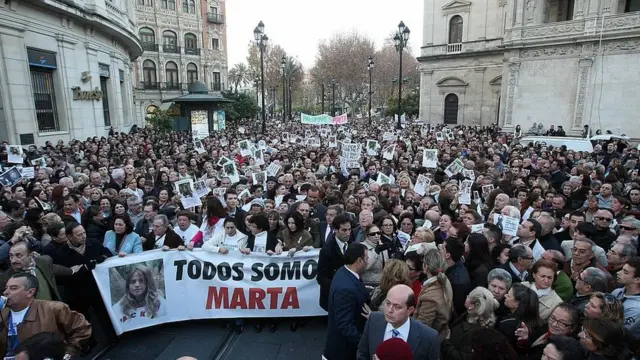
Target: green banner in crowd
(316, 119)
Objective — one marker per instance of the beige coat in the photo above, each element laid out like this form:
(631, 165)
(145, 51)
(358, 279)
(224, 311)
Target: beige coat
(546, 303)
(433, 310)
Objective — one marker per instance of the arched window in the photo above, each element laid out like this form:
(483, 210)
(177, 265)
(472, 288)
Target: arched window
(170, 42)
(172, 80)
(185, 6)
(455, 30)
(149, 74)
(451, 109)
(192, 6)
(190, 44)
(148, 39)
(192, 73)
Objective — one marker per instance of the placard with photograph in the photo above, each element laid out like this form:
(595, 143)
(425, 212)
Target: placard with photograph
(430, 158)
(15, 154)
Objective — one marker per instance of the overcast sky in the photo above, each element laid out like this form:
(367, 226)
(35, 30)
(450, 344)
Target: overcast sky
(298, 25)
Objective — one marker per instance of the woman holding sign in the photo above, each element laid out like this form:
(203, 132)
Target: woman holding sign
(229, 239)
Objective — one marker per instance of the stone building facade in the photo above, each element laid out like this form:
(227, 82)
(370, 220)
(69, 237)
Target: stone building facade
(563, 62)
(66, 69)
(184, 41)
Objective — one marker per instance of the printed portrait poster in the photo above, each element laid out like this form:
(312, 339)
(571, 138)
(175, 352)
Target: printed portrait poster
(40, 162)
(134, 284)
(508, 225)
(245, 148)
(389, 152)
(14, 154)
(430, 158)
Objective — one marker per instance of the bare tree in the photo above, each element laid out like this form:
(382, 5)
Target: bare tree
(344, 58)
(385, 72)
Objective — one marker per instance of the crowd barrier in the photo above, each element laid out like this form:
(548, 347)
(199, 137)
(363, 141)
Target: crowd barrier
(157, 287)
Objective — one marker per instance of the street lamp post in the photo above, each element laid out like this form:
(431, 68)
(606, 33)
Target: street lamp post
(290, 103)
(256, 83)
(322, 97)
(400, 40)
(370, 68)
(333, 97)
(283, 62)
(262, 40)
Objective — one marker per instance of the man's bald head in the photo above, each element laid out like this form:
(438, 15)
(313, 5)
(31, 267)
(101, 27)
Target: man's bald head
(432, 216)
(186, 358)
(403, 291)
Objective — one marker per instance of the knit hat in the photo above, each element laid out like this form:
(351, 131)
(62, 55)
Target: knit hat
(258, 202)
(394, 349)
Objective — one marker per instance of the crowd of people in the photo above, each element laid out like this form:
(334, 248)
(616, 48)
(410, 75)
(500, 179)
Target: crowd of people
(404, 272)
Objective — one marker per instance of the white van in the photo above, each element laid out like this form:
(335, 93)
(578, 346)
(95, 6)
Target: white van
(572, 143)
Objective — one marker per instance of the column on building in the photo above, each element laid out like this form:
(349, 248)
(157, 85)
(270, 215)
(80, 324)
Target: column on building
(68, 64)
(426, 86)
(509, 98)
(477, 96)
(580, 113)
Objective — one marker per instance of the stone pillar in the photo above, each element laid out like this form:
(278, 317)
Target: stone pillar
(512, 88)
(69, 69)
(520, 6)
(426, 86)
(477, 104)
(534, 11)
(578, 9)
(584, 71)
(594, 8)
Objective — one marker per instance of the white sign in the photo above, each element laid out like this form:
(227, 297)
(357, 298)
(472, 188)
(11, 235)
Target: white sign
(199, 284)
(508, 225)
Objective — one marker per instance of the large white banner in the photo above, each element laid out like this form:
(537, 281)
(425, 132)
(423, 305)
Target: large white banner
(157, 287)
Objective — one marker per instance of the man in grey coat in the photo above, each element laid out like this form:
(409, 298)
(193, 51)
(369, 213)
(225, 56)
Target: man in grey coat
(396, 322)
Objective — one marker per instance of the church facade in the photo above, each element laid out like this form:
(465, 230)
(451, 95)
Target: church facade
(566, 63)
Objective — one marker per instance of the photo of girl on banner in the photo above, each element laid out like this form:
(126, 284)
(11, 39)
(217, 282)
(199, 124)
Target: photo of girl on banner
(138, 293)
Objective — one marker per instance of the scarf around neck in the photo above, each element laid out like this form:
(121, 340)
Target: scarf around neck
(79, 249)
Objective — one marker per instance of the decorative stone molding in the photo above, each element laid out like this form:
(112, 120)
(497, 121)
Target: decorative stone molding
(502, 3)
(480, 69)
(456, 6)
(584, 68)
(563, 28)
(556, 51)
(620, 46)
(496, 81)
(451, 81)
(618, 22)
(514, 70)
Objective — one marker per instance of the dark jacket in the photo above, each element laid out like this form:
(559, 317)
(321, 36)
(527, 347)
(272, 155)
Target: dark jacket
(347, 296)
(272, 241)
(549, 242)
(458, 346)
(604, 238)
(239, 216)
(329, 261)
(460, 284)
(171, 239)
(478, 275)
(81, 288)
(142, 227)
(96, 229)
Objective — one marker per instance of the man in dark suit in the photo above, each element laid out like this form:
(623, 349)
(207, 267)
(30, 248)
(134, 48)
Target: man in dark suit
(519, 264)
(325, 227)
(396, 322)
(331, 256)
(162, 235)
(22, 260)
(347, 297)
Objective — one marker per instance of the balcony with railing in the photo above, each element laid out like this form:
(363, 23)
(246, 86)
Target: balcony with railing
(215, 18)
(217, 86)
(149, 85)
(487, 45)
(191, 51)
(172, 86)
(171, 49)
(150, 46)
(454, 48)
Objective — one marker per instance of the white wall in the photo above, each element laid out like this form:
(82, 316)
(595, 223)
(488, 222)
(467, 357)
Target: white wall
(78, 48)
(546, 92)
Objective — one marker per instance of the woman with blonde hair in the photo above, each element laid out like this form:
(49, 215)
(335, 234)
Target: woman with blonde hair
(436, 297)
(395, 272)
(142, 299)
(481, 306)
(606, 307)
